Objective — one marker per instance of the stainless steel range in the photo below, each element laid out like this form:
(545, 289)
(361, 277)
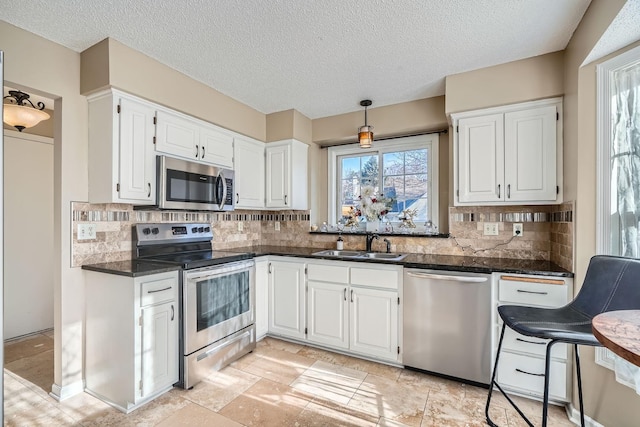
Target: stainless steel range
(217, 298)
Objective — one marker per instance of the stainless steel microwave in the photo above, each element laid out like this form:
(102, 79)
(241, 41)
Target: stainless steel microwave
(182, 184)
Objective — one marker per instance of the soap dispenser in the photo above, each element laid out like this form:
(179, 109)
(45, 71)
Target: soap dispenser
(340, 243)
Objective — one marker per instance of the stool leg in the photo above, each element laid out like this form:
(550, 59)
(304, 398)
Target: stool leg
(493, 379)
(545, 400)
(579, 384)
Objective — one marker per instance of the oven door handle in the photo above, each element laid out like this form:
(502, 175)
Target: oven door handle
(215, 349)
(215, 272)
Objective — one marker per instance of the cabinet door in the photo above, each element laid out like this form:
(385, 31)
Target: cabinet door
(530, 154)
(328, 314)
(178, 136)
(216, 147)
(249, 173)
(481, 159)
(159, 350)
(374, 322)
(287, 299)
(262, 298)
(278, 176)
(137, 177)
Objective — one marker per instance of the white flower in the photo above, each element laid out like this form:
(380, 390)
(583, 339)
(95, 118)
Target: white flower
(367, 192)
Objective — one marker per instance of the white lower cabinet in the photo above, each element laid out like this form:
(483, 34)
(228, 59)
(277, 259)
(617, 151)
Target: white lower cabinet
(131, 337)
(522, 359)
(349, 306)
(287, 299)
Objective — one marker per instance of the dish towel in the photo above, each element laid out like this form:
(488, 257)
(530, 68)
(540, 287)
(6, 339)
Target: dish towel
(627, 373)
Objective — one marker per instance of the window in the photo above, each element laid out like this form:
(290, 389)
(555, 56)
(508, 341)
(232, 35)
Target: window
(618, 179)
(403, 170)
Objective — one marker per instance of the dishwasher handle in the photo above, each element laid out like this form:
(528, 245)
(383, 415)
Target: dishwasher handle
(468, 279)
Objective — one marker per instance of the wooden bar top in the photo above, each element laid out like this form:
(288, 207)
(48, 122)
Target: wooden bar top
(619, 331)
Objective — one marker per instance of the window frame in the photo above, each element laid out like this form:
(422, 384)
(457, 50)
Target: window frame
(429, 141)
(604, 72)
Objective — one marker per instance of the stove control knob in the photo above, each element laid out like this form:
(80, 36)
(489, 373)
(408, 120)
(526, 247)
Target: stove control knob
(146, 231)
(194, 230)
(155, 230)
(207, 229)
(200, 229)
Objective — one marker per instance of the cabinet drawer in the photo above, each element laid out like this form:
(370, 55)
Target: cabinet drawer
(157, 291)
(328, 273)
(532, 293)
(516, 342)
(387, 279)
(523, 373)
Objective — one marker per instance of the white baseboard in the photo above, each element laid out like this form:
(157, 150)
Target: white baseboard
(574, 416)
(62, 393)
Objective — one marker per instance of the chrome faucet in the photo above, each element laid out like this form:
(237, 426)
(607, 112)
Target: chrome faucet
(370, 237)
(388, 245)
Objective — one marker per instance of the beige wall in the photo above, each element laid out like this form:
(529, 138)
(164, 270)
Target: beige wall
(141, 75)
(25, 54)
(392, 120)
(518, 81)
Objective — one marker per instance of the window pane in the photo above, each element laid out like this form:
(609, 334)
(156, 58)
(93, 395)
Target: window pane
(369, 170)
(393, 163)
(406, 180)
(350, 167)
(416, 161)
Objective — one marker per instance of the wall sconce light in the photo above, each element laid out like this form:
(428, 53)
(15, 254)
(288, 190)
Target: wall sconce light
(19, 115)
(365, 134)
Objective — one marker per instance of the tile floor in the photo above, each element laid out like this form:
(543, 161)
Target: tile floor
(279, 384)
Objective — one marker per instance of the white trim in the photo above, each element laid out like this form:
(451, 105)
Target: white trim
(61, 393)
(431, 140)
(28, 136)
(574, 416)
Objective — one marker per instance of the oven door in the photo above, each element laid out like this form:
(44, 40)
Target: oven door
(218, 301)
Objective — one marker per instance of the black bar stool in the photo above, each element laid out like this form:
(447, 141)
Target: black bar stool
(611, 283)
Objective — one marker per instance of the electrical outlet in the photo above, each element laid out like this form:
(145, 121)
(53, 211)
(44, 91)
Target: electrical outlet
(518, 229)
(86, 231)
(240, 226)
(277, 225)
(490, 228)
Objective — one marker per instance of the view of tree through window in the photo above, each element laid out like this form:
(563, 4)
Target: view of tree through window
(625, 161)
(404, 175)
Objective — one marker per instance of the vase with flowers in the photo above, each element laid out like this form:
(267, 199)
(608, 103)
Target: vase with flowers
(372, 207)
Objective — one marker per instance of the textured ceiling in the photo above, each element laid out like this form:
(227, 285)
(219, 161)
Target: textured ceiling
(624, 30)
(318, 57)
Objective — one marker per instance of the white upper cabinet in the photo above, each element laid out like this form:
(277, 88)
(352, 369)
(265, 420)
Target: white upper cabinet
(183, 136)
(509, 155)
(121, 152)
(286, 181)
(249, 173)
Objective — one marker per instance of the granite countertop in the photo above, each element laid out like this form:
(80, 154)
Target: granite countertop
(131, 268)
(436, 262)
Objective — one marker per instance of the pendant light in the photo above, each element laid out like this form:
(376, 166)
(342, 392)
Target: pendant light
(365, 134)
(19, 114)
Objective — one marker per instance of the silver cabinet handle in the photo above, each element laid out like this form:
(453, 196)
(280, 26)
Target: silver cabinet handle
(529, 373)
(509, 191)
(345, 294)
(237, 197)
(498, 191)
(159, 290)
(269, 268)
(351, 295)
(203, 151)
(197, 151)
(172, 312)
(285, 199)
(149, 194)
(531, 292)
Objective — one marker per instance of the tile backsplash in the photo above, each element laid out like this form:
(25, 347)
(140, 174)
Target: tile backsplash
(548, 232)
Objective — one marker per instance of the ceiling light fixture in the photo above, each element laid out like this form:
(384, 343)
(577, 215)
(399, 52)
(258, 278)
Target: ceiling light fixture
(365, 134)
(19, 115)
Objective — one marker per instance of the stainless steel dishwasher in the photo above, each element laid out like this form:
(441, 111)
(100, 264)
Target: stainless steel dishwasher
(447, 323)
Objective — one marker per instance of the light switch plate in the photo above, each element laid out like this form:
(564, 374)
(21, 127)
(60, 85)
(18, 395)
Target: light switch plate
(86, 231)
(277, 225)
(490, 228)
(240, 226)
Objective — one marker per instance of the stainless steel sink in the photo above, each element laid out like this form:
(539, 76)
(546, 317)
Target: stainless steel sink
(382, 255)
(341, 254)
